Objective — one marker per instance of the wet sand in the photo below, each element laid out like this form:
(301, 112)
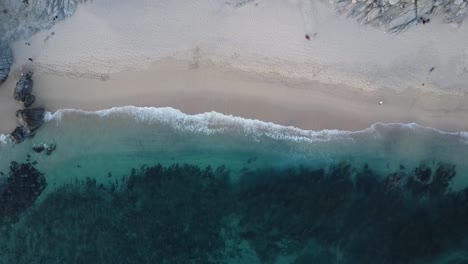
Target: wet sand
(301, 103)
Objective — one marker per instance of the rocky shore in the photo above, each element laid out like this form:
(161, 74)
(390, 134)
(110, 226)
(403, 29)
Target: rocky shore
(396, 16)
(6, 59)
(29, 119)
(21, 19)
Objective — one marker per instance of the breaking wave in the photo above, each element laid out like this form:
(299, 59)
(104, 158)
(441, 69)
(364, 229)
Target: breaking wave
(214, 122)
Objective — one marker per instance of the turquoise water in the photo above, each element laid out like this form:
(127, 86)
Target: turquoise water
(153, 185)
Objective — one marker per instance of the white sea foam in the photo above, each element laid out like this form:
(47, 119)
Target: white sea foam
(464, 137)
(4, 139)
(213, 122)
(209, 123)
(415, 127)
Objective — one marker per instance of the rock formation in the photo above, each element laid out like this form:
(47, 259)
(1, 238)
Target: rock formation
(6, 59)
(23, 90)
(39, 148)
(20, 134)
(29, 100)
(32, 118)
(398, 15)
(50, 148)
(44, 147)
(22, 20)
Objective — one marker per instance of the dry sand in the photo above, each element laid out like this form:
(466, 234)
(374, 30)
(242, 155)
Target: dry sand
(304, 104)
(267, 36)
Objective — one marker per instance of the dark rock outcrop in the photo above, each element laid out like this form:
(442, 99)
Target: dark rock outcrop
(24, 88)
(31, 118)
(6, 59)
(20, 190)
(29, 100)
(20, 134)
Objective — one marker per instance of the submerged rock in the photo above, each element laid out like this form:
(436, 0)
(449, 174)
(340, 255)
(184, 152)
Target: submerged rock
(32, 118)
(24, 88)
(442, 178)
(39, 148)
(50, 149)
(20, 190)
(44, 147)
(433, 182)
(6, 59)
(423, 173)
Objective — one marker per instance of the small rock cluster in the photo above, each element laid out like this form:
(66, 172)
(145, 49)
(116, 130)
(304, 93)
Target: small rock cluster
(47, 148)
(398, 15)
(23, 90)
(30, 119)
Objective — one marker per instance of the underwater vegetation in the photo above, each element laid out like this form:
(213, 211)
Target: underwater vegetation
(187, 214)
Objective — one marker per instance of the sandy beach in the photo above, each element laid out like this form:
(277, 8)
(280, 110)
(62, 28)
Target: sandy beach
(301, 103)
(210, 56)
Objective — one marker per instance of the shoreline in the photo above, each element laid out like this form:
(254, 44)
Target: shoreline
(303, 104)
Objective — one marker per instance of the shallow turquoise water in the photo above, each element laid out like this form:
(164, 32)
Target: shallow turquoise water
(284, 196)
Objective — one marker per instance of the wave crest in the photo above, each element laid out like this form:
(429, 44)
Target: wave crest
(214, 122)
(207, 123)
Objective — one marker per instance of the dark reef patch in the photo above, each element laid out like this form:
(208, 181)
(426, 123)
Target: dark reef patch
(19, 190)
(156, 215)
(184, 214)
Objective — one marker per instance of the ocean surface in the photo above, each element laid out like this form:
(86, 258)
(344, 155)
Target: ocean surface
(155, 185)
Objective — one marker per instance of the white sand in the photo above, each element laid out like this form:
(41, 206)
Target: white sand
(81, 65)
